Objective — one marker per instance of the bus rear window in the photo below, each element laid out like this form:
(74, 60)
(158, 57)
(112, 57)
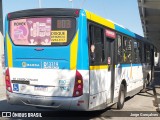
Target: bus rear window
(42, 31)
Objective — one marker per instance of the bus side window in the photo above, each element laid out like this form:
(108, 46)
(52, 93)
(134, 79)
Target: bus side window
(120, 52)
(97, 56)
(136, 52)
(92, 44)
(124, 50)
(127, 50)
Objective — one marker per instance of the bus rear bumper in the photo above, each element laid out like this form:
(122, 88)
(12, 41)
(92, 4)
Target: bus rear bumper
(64, 103)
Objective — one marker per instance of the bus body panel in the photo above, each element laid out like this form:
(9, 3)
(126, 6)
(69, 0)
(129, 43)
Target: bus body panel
(83, 53)
(100, 85)
(34, 81)
(131, 73)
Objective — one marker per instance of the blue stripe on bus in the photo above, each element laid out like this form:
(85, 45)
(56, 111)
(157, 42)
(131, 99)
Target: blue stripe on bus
(138, 37)
(128, 65)
(123, 30)
(6, 32)
(83, 60)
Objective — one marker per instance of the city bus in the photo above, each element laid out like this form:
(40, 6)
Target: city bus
(73, 59)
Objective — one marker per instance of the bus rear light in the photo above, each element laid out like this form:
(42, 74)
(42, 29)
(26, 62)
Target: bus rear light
(77, 12)
(9, 15)
(78, 86)
(8, 82)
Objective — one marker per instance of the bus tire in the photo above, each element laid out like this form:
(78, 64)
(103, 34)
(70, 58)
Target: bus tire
(121, 97)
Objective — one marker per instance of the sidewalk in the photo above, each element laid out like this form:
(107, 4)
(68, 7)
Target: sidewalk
(2, 87)
(2, 92)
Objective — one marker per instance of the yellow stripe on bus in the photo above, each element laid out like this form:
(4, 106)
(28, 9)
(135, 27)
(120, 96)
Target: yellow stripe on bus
(100, 20)
(73, 53)
(9, 52)
(98, 67)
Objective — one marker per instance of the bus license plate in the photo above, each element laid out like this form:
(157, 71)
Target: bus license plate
(41, 88)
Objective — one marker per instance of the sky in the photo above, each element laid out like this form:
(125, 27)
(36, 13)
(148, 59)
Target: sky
(123, 12)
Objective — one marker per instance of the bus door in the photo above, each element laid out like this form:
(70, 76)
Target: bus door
(110, 49)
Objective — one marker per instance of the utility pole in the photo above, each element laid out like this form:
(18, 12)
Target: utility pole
(1, 17)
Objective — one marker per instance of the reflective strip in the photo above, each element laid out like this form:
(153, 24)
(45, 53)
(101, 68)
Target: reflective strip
(9, 51)
(98, 67)
(73, 53)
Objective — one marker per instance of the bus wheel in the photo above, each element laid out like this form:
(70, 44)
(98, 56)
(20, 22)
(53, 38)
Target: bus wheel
(121, 97)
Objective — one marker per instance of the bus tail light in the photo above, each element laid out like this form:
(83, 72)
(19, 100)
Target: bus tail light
(9, 15)
(78, 86)
(77, 12)
(8, 82)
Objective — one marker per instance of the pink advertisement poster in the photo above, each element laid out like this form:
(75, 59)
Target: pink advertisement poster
(32, 31)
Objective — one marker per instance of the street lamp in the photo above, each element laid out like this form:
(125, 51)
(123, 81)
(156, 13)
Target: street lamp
(71, 2)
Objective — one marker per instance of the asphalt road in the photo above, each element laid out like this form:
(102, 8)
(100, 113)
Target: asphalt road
(134, 106)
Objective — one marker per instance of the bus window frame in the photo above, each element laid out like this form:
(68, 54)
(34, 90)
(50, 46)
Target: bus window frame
(135, 53)
(92, 24)
(121, 52)
(131, 39)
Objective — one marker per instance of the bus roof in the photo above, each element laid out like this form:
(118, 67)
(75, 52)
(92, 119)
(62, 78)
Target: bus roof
(44, 11)
(108, 23)
(72, 12)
